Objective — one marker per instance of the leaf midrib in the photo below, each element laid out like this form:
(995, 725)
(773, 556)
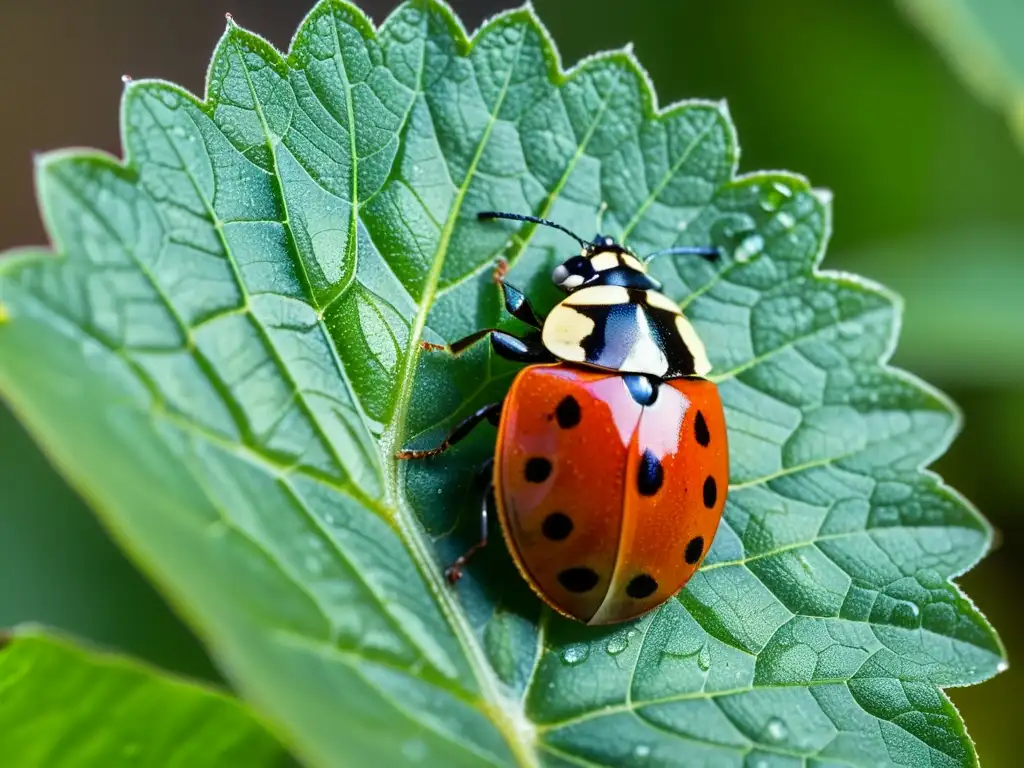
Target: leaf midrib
(392, 438)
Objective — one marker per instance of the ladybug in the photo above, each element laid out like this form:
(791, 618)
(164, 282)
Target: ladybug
(612, 465)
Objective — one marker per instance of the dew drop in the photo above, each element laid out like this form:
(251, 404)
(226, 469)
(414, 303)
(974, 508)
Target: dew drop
(704, 658)
(1002, 666)
(575, 654)
(786, 220)
(617, 644)
(906, 615)
(782, 189)
(641, 750)
(748, 248)
(773, 197)
(776, 730)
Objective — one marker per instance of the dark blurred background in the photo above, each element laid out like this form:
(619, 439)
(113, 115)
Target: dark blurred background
(929, 199)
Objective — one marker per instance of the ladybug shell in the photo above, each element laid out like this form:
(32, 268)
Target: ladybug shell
(608, 504)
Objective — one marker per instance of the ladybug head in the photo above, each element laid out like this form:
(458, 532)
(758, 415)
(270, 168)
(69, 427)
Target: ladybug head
(601, 261)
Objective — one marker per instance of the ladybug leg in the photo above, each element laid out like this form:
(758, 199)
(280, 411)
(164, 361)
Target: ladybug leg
(528, 349)
(462, 429)
(454, 571)
(517, 305)
(456, 348)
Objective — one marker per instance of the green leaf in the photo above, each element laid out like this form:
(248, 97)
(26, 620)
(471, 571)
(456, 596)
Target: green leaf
(61, 705)
(224, 355)
(982, 40)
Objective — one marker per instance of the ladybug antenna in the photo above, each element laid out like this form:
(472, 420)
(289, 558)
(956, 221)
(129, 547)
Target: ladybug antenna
(709, 253)
(533, 219)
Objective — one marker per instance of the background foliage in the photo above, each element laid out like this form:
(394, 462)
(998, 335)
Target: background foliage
(850, 95)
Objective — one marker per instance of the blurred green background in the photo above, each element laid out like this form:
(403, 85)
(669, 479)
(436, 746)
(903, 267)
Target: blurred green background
(916, 141)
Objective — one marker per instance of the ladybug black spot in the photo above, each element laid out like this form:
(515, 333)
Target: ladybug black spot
(538, 468)
(568, 412)
(710, 492)
(557, 526)
(700, 430)
(578, 579)
(650, 474)
(694, 549)
(641, 586)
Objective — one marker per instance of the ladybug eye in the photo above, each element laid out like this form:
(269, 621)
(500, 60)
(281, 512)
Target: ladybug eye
(572, 273)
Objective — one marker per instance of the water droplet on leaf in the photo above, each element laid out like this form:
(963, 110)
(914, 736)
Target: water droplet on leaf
(906, 615)
(773, 197)
(782, 189)
(776, 730)
(617, 644)
(575, 654)
(704, 658)
(748, 248)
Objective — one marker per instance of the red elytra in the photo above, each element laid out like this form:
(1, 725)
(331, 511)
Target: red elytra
(608, 506)
(612, 466)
